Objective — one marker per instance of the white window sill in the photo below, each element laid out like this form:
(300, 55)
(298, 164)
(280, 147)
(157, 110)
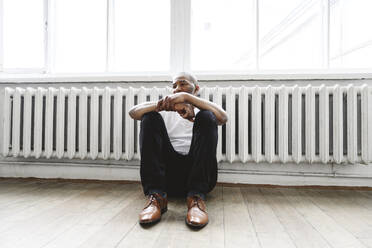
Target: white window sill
(202, 76)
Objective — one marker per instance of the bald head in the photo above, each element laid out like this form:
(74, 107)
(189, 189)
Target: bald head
(185, 82)
(186, 76)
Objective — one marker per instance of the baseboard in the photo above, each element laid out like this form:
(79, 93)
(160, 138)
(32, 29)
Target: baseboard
(268, 174)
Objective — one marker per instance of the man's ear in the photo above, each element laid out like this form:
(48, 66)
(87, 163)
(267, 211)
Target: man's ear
(196, 89)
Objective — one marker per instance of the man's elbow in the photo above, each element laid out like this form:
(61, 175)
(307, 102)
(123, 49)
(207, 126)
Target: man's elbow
(223, 120)
(133, 114)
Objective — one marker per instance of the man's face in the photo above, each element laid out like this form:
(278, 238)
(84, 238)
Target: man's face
(182, 84)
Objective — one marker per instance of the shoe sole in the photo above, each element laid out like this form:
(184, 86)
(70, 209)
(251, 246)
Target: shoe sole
(154, 221)
(194, 225)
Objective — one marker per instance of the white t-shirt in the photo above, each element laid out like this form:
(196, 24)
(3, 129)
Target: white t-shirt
(179, 130)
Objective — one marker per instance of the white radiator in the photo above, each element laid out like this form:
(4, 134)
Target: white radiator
(266, 124)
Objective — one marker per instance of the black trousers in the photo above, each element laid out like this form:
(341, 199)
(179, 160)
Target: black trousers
(165, 169)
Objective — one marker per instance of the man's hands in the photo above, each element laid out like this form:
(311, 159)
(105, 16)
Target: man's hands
(177, 102)
(167, 103)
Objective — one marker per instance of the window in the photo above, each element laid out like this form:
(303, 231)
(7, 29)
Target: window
(142, 35)
(222, 36)
(80, 36)
(166, 36)
(23, 34)
(350, 34)
(290, 34)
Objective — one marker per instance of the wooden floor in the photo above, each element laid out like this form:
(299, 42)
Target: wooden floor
(55, 213)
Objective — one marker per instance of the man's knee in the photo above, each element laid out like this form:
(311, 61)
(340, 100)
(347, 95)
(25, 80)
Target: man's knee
(150, 117)
(206, 117)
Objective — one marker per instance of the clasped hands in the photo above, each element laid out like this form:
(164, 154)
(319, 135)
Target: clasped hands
(177, 102)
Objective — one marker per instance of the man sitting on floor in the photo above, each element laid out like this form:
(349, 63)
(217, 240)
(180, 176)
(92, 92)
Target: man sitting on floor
(178, 140)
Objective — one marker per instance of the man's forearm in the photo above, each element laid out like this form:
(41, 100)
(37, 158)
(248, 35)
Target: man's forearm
(136, 112)
(207, 105)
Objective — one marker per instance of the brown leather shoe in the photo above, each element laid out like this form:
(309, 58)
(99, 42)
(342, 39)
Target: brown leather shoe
(155, 206)
(197, 215)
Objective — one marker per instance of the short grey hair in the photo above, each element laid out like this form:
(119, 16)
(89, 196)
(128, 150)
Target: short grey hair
(187, 75)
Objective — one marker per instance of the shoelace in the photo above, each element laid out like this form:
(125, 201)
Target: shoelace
(152, 198)
(195, 201)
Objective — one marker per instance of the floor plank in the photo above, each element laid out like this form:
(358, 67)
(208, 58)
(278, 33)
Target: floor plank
(39, 229)
(58, 213)
(239, 230)
(356, 197)
(335, 234)
(174, 233)
(343, 211)
(41, 204)
(270, 231)
(118, 226)
(302, 233)
(93, 222)
(13, 193)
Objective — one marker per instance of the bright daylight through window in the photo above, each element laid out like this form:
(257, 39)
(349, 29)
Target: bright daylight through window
(217, 36)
